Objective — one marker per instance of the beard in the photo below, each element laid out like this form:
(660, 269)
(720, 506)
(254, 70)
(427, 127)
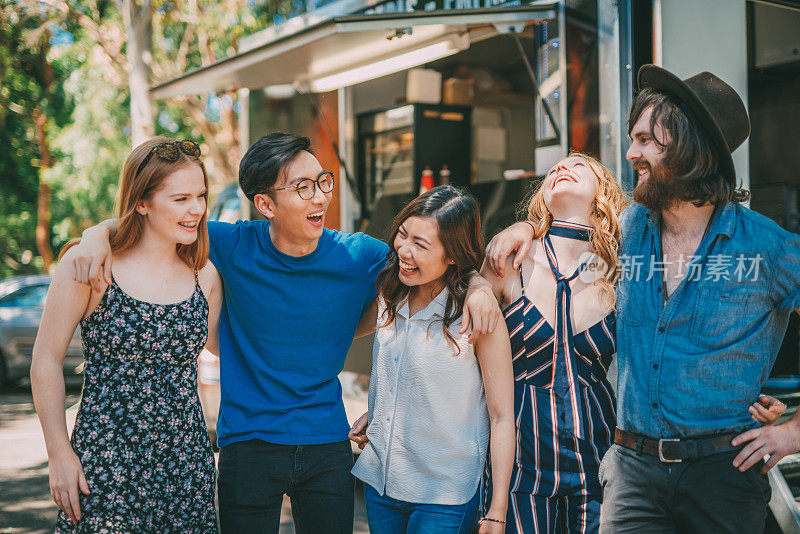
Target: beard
(659, 191)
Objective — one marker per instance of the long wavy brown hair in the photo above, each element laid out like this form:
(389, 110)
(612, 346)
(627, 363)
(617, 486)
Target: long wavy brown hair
(134, 188)
(604, 217)
(458, 218)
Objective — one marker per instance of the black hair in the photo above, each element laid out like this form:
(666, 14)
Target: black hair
(458, 218)
(262, 164)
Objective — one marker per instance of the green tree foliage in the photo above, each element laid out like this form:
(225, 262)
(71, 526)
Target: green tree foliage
(93, 146)
(28, 81)
(89, 109)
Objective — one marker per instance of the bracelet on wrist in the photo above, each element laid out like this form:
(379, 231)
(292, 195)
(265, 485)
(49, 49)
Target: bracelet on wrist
(491, 520)
(531, 225)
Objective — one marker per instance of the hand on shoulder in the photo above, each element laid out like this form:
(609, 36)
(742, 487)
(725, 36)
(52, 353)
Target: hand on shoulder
(64, 273)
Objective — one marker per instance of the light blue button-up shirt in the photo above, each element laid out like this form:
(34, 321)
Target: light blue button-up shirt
(428, 421)
(694, 365)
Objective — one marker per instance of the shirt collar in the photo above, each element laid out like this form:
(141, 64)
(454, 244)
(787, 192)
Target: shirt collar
(434, 307)
(723, 224)
(725, 221)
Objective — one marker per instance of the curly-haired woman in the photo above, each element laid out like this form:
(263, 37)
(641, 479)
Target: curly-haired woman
(559, 310)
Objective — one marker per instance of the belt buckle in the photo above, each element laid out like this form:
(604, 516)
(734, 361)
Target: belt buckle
(661, 451)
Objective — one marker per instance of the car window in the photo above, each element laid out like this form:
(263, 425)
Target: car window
(25, 297)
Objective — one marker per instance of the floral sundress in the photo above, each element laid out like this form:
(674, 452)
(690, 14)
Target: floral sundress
(140, 433)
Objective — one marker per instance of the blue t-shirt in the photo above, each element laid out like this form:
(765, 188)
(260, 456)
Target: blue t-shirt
(285, 329)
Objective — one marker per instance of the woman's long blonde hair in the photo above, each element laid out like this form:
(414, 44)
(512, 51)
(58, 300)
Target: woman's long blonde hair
(604, 217)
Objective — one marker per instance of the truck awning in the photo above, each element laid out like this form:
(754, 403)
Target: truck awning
(347, 50)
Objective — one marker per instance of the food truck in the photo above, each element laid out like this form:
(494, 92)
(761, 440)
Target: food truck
(486, 94)
(460, 92)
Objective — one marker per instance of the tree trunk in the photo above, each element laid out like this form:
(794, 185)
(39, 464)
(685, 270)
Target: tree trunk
(43, 201)
(229, 123)
(138, 18)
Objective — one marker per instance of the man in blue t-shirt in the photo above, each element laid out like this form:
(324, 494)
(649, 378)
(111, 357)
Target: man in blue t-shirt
(294, 293)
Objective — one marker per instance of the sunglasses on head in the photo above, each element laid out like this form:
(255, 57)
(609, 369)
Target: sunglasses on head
(171, 151)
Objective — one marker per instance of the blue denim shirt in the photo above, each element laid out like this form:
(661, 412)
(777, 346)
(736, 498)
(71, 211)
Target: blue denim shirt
(694, 365)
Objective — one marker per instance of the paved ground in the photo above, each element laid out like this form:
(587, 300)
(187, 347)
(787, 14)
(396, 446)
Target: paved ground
(25, 504)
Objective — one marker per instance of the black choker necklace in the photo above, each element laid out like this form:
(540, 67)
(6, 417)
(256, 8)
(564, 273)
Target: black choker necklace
(570, 230)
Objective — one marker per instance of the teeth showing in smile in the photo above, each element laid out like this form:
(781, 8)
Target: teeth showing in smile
(191, 224)
(407, 266)
(642, 169)
(316, 215)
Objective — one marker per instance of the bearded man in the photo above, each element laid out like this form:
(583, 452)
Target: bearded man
(702, 308)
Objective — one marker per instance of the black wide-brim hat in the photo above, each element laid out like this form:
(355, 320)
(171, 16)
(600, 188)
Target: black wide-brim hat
(710, 101)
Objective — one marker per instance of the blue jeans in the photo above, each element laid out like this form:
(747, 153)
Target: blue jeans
(390, 516)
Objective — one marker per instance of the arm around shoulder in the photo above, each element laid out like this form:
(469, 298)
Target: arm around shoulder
(92, 256)
(516, 238)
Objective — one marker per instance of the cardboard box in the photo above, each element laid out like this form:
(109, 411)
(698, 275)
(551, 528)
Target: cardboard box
(490, 144)
(458, 91)
(424, 86)
(485, 116)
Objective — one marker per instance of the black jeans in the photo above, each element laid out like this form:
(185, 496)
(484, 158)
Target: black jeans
(254, 475)
(642, 494)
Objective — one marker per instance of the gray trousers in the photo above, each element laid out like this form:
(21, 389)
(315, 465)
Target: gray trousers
(642, 494)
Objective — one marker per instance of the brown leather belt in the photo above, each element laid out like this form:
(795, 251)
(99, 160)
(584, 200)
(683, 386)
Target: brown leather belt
(675, 450)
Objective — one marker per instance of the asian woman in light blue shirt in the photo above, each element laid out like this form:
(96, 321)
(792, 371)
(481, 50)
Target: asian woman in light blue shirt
(437, 404)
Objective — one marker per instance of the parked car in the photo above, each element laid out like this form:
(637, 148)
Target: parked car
(21, 305)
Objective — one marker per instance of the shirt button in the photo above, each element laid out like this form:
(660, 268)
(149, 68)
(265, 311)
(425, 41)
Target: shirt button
(655, 368)
(395, 359)
(387, 419)
(655, 405)
(391, 389)
(660, 331)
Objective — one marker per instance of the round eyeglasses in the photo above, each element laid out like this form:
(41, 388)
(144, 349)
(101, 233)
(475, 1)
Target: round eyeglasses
(307, 187)
(171, 151)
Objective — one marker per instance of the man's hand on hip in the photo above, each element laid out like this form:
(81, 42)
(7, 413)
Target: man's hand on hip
(776, 441)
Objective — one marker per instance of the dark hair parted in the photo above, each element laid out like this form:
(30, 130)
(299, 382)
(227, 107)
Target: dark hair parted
(459, 221)
(689, 156)
(262, 164)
